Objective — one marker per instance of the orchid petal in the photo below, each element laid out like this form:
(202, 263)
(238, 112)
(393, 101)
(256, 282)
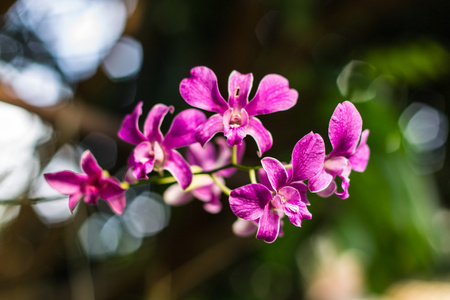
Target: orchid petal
(141, 160)
(261, 135)
(207, 130)
(302, 189)
(129, 131)
(336, 165)
(320, 181)
(329, 190)
(182, 131)
(117, 204)
(360, 158)
(153, 122)
(276, 172)
(307, 157)
(201, 91)
(74, 199)
(91, 196)
(273, 95)
(344, 129)
(239, 86)
(345, 183)
(264, 179)
(244, 228)
(234, 125)
(214, 205)
(248, 201)
(269, 225)
(89, 164)
(294, 208)
(66, 182)
(175, 195)
(178, 167)
(110, 188)
(204, 157)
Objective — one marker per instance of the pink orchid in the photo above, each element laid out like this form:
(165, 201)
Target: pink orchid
(284, 193)
(157, 152)
(236, 118)
(203, 186)
(95, 183)
(345, 133)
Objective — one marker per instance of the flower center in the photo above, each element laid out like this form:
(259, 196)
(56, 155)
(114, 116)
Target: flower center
(235, 120)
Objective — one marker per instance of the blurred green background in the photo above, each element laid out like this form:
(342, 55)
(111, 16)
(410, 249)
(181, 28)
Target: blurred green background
(71, 70)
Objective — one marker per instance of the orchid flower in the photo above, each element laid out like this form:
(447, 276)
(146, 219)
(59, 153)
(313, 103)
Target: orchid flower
(285, 192)
(157, 152)
(91, 185)
(236, 118)
(344, 132)
(203, 186)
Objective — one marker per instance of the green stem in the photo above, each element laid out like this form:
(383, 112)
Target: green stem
(252, 175)
(26, 200)
(224, 188)
(234, 155)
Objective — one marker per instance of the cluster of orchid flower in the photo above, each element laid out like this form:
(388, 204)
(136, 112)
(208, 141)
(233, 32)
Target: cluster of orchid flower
(275, 189)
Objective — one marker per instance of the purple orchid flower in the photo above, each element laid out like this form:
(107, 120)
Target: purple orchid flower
(236, 118)
(157, 152)
(344, 132)
(203, 186)
(284, 193)
(95, 183)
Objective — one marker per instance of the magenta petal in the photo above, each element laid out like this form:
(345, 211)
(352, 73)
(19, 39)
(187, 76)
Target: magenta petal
(110, 188)
(345, 129)
(294, 208)
(360, 158)
(182, 130)
(273, 95)
(204, 157)
(142, 160)
(66, 182)
(214, 205)
(117, 204)
(307, 157)
(302, 189)
(329, 190)
(129, 131)
(207, 130)
(261, 135)
(320, 181)
(336, 165)
(234, 124)
(153, 122)
(248, 201)
(345, 183)
(244, 228)
(269, 225)
(89, 164)
(91, 196)
(276, 172)
(201, 91)
(239, 86)
(74, 199)
(262, 178)
(178, 167)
